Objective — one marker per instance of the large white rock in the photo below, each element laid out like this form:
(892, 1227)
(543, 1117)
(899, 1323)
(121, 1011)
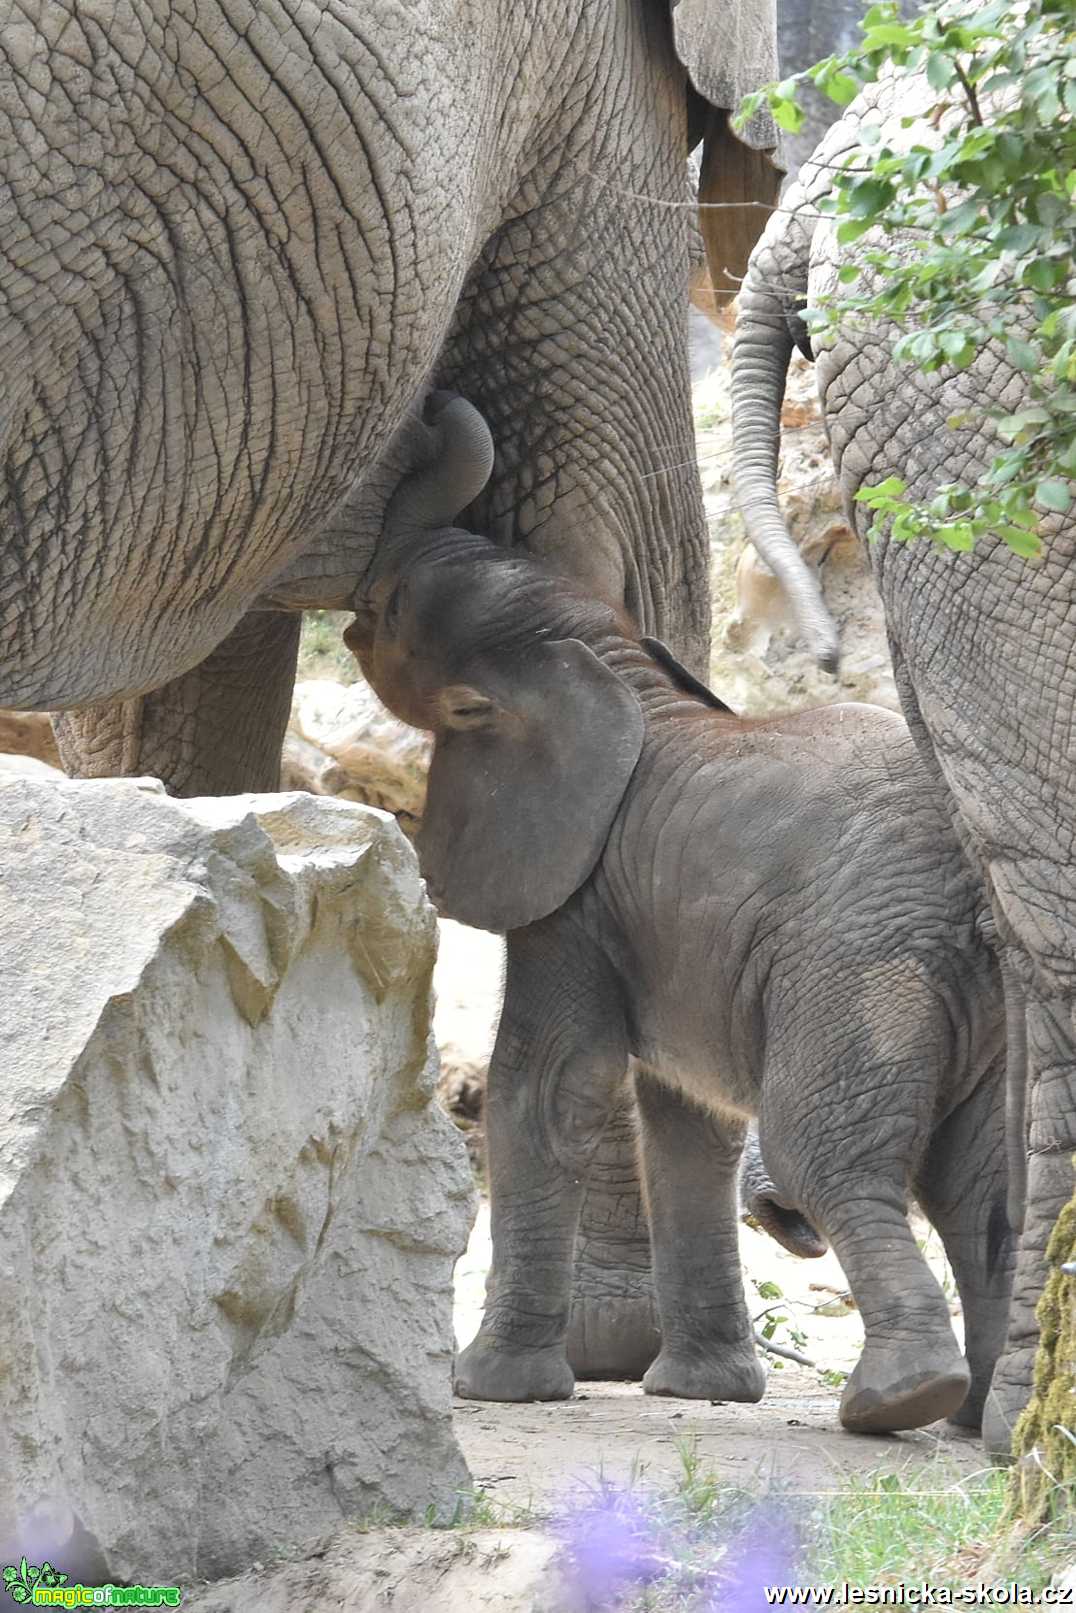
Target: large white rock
(342, 741)
(229, 1209)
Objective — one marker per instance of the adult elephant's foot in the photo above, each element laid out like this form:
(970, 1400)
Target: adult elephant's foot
(1009, 1393)
(897, 1386)
(716, 1373)
(613, 1337)
(613, 1328)
(488, 1369)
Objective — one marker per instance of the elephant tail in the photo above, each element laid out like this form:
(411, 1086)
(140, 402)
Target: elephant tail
(456, 469)
(1015, 1092)
(764, 1204)
(761, 353)
(786, 1226)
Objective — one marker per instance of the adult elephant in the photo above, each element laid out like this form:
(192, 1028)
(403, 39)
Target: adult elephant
(984, 649)
(237, 243)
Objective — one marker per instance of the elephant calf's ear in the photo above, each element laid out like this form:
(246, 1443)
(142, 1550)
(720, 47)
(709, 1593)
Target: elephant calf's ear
(519, 808)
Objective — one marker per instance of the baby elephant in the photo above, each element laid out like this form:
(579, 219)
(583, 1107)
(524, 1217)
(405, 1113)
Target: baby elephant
(771, 916)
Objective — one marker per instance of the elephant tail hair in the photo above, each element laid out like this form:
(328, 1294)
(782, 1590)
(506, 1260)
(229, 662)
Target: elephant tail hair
(1015, 1092)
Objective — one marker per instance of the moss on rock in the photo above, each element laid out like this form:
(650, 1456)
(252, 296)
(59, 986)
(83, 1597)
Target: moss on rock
(1044, 1441)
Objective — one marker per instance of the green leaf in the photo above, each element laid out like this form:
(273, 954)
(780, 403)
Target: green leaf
(768, 1290)
(1053, 494)
(852, 229)
(1019, 238)
(849, 272)
(1022, 354)
(869, 197)
(892, 487)
(1020, 541)
(1042, 274)
(840, 88)
(787, 115)
(941, 71)
(887, 33)
(958, 536)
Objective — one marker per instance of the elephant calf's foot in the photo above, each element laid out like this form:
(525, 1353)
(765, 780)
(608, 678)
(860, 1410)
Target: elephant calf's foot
(491, 1370)
(731, 1373)
(904, 1386)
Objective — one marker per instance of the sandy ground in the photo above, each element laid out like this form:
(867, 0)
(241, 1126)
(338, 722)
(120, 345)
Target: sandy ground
(533, 1454)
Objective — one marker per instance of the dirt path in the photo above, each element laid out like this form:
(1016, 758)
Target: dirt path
(534, 1455)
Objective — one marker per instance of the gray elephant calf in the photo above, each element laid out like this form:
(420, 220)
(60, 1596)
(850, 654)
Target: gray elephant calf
(771, 915)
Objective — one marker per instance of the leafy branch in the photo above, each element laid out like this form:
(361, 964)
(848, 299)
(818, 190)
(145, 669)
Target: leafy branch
(973, 231)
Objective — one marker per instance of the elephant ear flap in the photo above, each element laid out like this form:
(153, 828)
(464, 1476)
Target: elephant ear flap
(728, 51)
(518, 810)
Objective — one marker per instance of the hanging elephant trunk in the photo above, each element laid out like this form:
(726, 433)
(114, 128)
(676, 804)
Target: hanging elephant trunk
(760, 359)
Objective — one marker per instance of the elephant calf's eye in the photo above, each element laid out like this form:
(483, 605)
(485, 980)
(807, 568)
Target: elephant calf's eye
(463, 707)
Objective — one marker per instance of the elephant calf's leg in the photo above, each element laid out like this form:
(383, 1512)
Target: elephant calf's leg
(557, 1071)
(911, 1371)
(962, 1187)
(862, 1116)
(690, 1163)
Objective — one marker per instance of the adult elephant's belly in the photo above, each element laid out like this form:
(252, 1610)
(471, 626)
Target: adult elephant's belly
(213, 350)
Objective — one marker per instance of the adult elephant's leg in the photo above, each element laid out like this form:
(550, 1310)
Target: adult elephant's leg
(690, 1160)
(218, 730)
(1052, 1084)
(613, 1331)
(963, 1188)
(987, 669)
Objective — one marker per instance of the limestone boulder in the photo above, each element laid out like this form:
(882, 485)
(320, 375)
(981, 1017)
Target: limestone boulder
(229, 1208)
(26, 767)
(342, 741)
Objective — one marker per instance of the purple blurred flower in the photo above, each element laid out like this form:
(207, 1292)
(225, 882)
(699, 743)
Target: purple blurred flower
(766, 1551)
(610, 1546)
(616, 1543)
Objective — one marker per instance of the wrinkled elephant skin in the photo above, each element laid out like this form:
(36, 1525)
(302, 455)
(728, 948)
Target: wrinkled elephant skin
(235, 243)
(722, 906)
(984, 650)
